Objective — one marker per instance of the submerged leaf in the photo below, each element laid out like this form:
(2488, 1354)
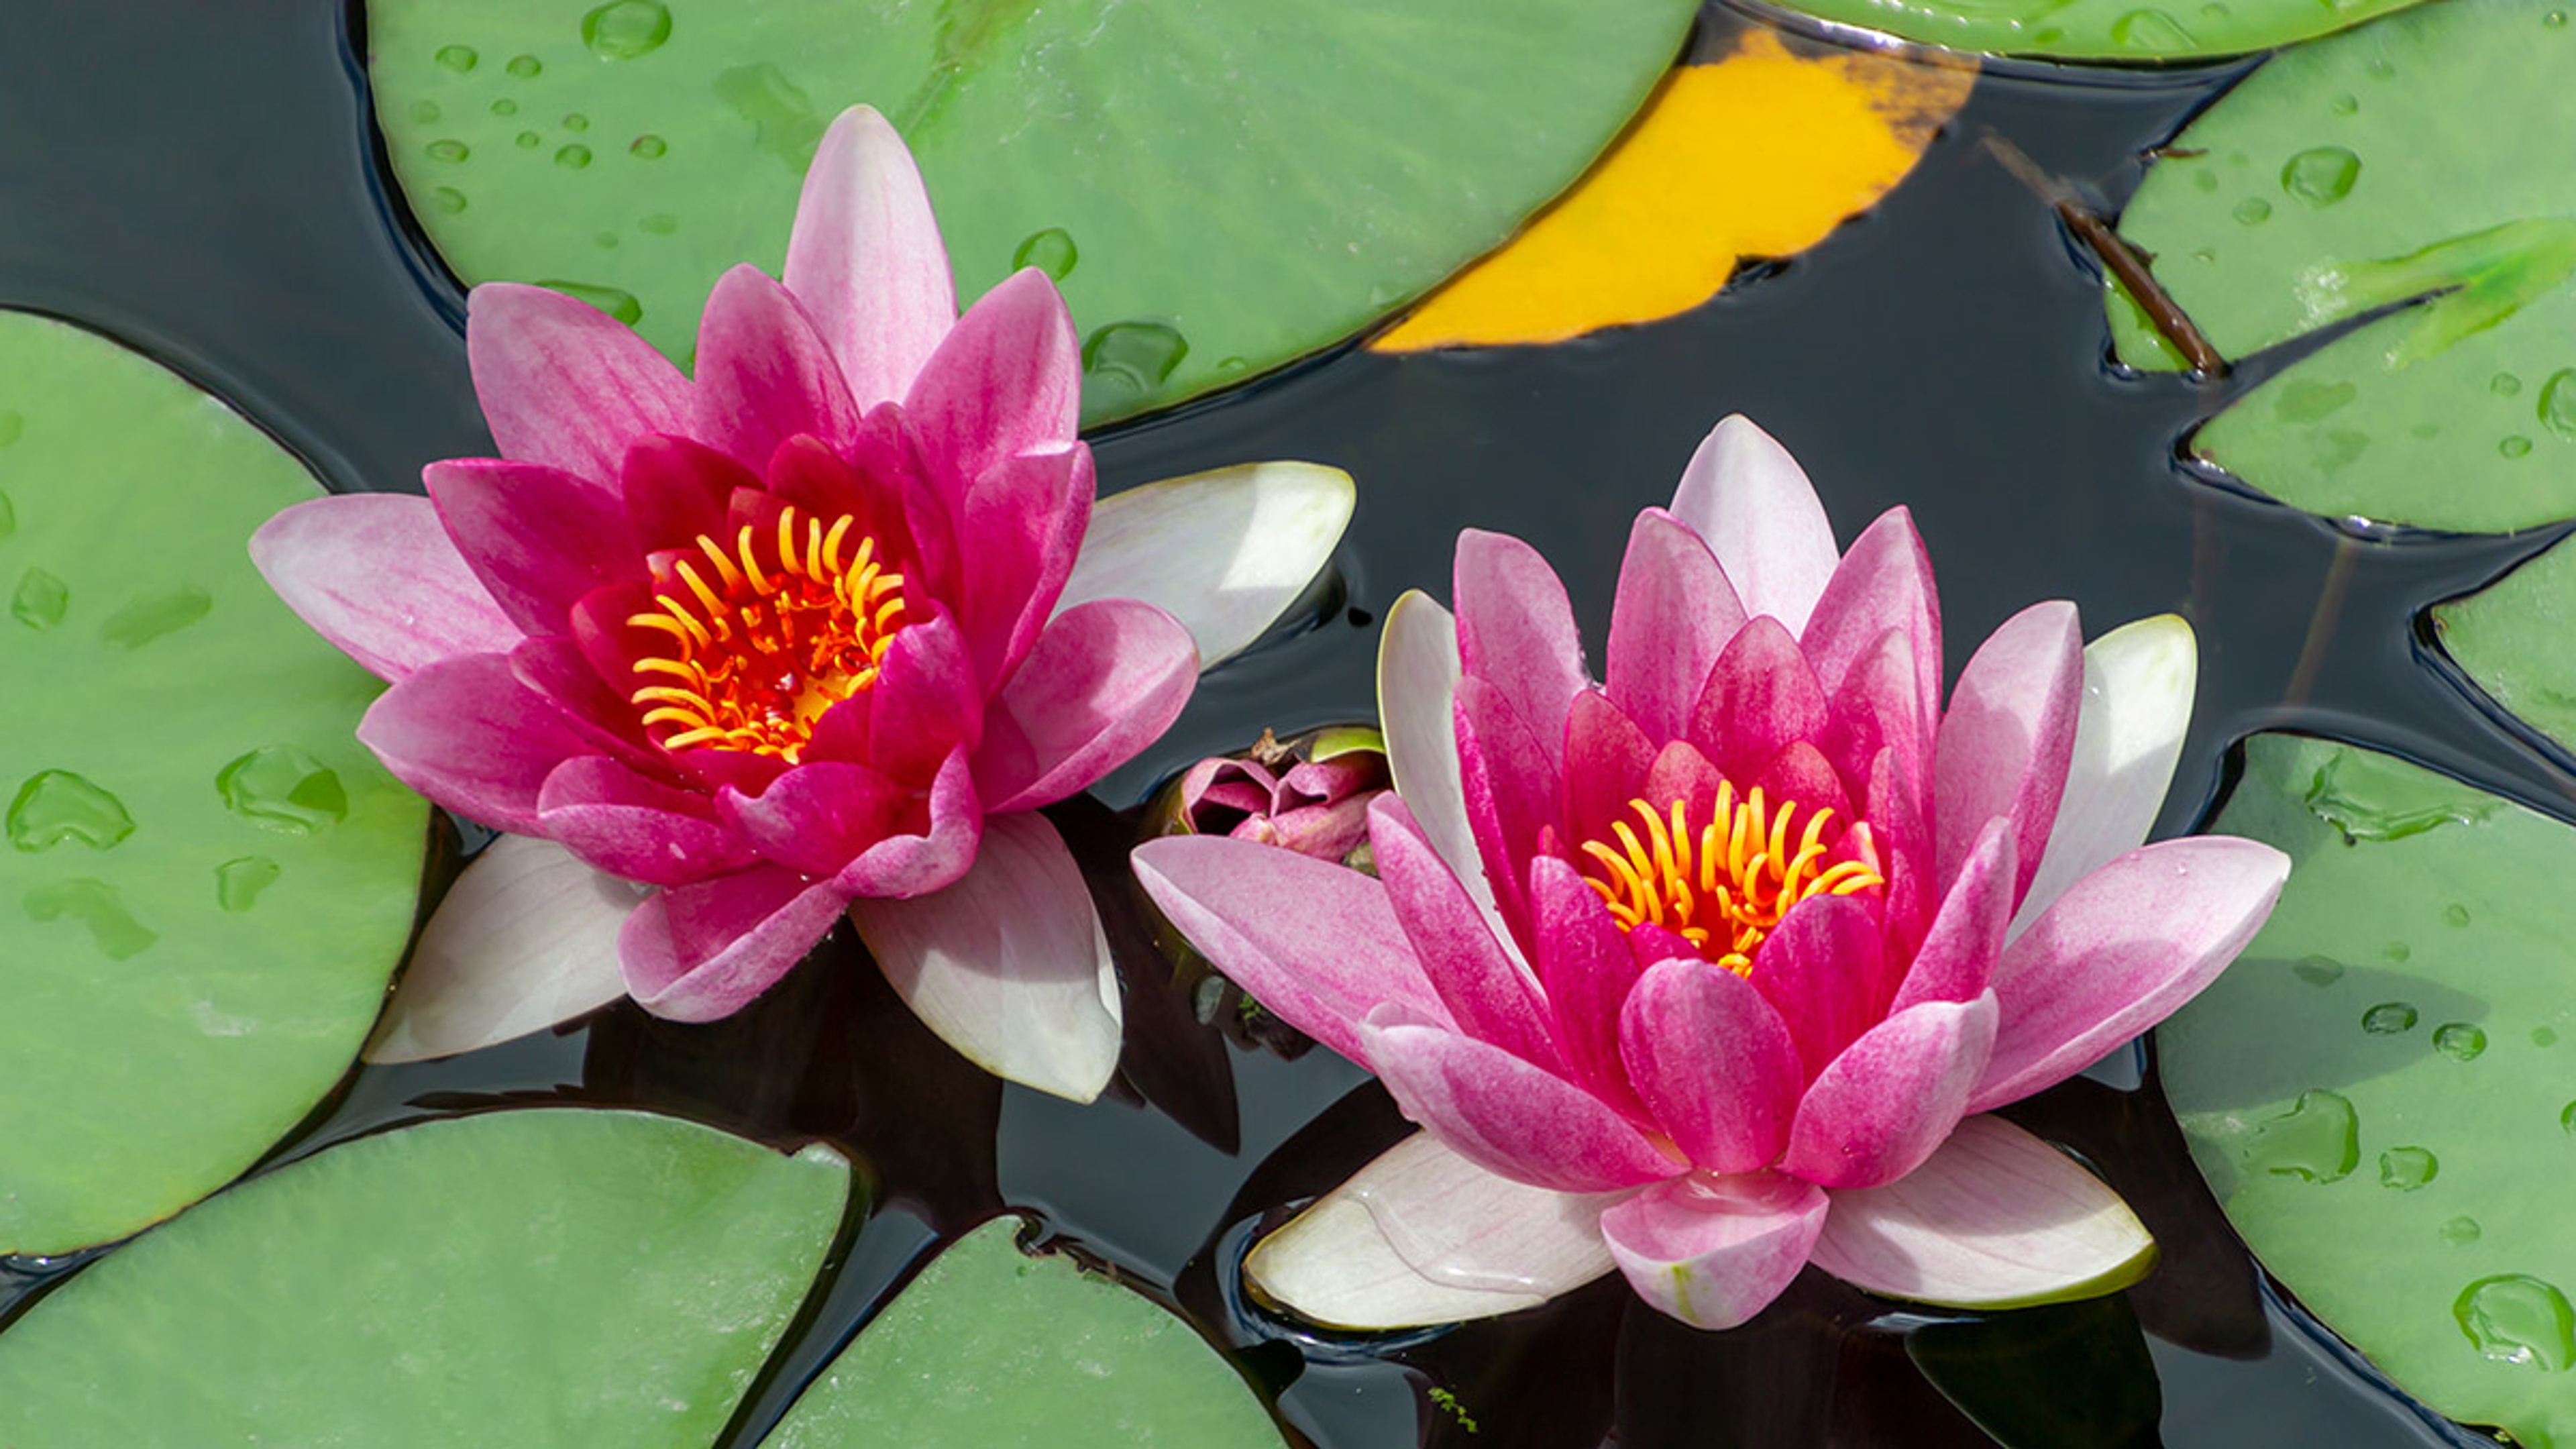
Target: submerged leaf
(542, 1277)
(2378, 1091)
(208, 880)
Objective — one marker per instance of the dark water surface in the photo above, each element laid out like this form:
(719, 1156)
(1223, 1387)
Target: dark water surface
(201, 182)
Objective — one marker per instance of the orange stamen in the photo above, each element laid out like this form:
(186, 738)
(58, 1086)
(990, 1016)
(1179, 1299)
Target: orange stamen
(1724, 886)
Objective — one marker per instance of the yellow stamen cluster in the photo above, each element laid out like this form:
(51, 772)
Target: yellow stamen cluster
(762, 645)
(1724, 885)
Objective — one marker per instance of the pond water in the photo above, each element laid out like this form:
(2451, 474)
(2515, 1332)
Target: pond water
(203, 183)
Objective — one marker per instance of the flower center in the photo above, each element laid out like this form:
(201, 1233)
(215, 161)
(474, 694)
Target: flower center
(762, 645)
(1723, 885)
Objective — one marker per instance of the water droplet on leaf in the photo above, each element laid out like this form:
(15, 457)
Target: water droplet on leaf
(2460, 1041)
(525, 67)
(2518, 1319)
(573, 157)
(2317, 1140)
(1050, 251)
(41, 600)
(2318, 970)
(625, 29)
(450, 151)
(284, 789)
(1137, 355)
(2321, 176)
(2407, 1168)
(611, 300)
(96, 905)
(2253, 211)
(57, 807)
(649, 148)
(239, 882)
(2514, 445)
(2388, 1018)
(458, 58)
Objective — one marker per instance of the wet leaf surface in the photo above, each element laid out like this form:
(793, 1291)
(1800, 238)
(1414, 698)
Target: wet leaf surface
(207, 880)
(2113, 30)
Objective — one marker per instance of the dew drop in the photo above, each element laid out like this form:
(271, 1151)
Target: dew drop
(2514, 445)
(96, 905)
(2555, 20)
(2407, 1168)
(2567, 1119)
(2344, 105)
(284, 789)
(450, 151)
(2321, 176)
(2544, 1036)
(2253, 211)
(2317, 1140)
(2558, 402)
(625, 29)
(528, 140)
(2397, 951)
(239, 882)
(2152, 31)
(2318, 970)
(525, 67)
(505, 107)
(8, 516)
(1136, 355)
(2205, 180)
(1232, 366)
(458, 58)
(2460, 1041)
(424, 112)
(573, 157)
(2455, 914)
(153, 615)
(2382, 69)
(2461, 1231)
(2518, 1319)
(576, 122)
(2367, 800)
(57, 807)
(660, 223)
(649, 148)
(13, 426)
(617, 303)
(41, 600)
(447, 199)
(1050, 251)
(2504, 384)
(2388, 1018)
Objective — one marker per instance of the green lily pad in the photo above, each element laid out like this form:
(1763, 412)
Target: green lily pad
(2408, 159)
(2517, 639)
(207, 880)
(990, 1346)
(2382, 1090)
(524, 1278)
(2116, 30)
(1218, 185)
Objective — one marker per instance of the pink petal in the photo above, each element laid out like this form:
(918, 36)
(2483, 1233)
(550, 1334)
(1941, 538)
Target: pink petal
(1422, 1236)
(1417, 697)
(2004, 745)
(1607, 761)
(866, 260)
(1714, 1063)
(2138, 683)
(700, 952)
(928, 858)
(1512, 792)
(636, 828)
(1674, 613)
(1744, 494)
(1009, 965)
(816, 818)
(470, 736)
(675, 490)
(1587, 969)
(1504, 1114)
(763, 374)
(1760, 697)
(526, 938)
(1026, 515)
(1884, 582)
(1490, 995)
(1104, 681)
(1714, 1251)
(555, 668)
(376, 574)
(1007, 379)
(1816, 969)
(1878, 707)
(1881, 1107)
(1995, 1219)
(564, 384)
(1316, 944)
(926, 704)
(1516, 632)
(1956, 961)
(538, 538)
(2120, 950)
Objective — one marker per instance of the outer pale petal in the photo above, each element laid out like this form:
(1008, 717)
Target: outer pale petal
(2010, 730)
(903, 865)
(1223, 552)
(1417, 697)
(2120, 950)
(1675, 611)
(866, 260)
(1314, 942)
(1522, 1121)
(1750, 500)
(1009, 965)
(1881, 1107)
(1007, 378)
(565, 384)
(763, 375)
(527, 937)
(1713, 1061)
(376, 575)
(1714, 1251)
(703, 951)
(467, 734)
(1995, 1219)
(1492, 998)
(1516, 632)
(1423, 1236)
(1104, 681)
(2138, 683)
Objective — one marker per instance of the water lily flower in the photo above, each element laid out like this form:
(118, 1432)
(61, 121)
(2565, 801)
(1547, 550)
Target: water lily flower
(814, 631)
(1315, 806)
(1711, 971)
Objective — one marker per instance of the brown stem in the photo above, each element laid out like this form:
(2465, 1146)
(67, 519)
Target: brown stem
(2120, 259)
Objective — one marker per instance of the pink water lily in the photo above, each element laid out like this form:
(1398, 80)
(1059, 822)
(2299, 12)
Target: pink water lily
(813, 631)
(1708, 972)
